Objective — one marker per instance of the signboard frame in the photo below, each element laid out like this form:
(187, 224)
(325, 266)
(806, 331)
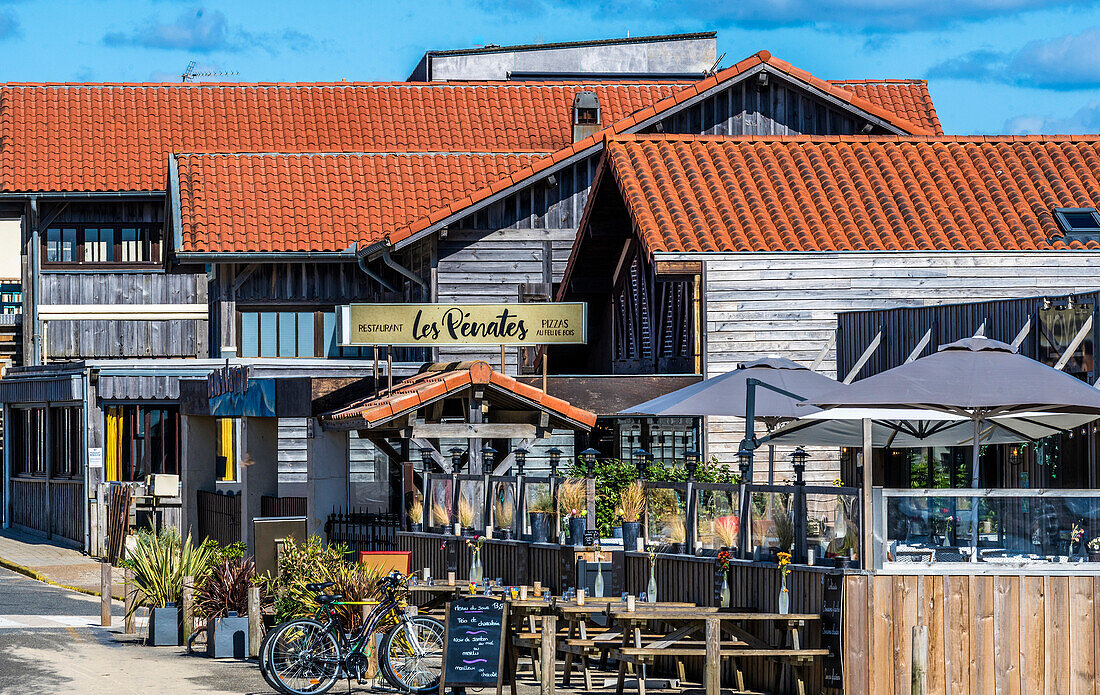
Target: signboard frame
(345, 334)
(503, 647)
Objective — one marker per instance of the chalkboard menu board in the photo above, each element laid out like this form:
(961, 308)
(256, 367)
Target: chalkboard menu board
(473, 653)
(832, 604)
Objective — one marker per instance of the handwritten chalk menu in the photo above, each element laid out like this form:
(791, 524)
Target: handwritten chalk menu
(831, 606)
(473, 653)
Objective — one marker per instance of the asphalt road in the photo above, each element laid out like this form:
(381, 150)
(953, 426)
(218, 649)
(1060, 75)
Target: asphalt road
(48, 644)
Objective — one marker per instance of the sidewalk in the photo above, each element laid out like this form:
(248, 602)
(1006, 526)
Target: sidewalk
(38, 558)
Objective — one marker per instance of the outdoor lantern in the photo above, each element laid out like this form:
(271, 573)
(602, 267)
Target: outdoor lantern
(520, 455)
(641, 461)
(588, 458)
(1014, 456)
(426, 458)
(798, 461)
(487, 455)
(691, 462)
(744, 460)
(555, 456)
(456, 459)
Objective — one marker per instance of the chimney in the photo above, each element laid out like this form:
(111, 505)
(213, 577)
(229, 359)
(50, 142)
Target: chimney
(586, 115)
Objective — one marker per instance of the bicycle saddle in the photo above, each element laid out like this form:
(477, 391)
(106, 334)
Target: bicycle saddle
(328, 598)
(319, 586)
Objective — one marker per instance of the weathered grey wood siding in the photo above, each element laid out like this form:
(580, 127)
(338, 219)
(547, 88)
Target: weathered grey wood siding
(756, 304)
(779, 108)
(292, 457)
(119, 338)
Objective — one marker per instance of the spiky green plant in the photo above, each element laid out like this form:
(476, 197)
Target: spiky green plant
(160, 561)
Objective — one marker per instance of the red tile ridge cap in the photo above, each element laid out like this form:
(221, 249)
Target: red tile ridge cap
(884, 80)
(480, 372)
(307, 85)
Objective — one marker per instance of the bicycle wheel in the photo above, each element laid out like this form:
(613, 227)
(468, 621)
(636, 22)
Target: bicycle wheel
(411, 655)
(263, 658)
(302, 658)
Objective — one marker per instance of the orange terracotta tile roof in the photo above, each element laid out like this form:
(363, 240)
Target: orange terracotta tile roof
(458, 207)
(907, 98)
(442, 381)
(319, 202)
(117, 137)
(853, 193)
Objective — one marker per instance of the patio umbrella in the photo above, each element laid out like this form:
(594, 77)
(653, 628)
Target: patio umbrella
(736, 394)
(984, 382)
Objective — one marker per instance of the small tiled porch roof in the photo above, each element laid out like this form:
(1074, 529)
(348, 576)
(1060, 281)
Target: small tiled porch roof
(447, 380)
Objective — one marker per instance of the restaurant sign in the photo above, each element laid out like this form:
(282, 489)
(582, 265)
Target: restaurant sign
(535, 323)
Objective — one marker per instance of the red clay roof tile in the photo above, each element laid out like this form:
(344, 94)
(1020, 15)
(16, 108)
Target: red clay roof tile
(853, 192)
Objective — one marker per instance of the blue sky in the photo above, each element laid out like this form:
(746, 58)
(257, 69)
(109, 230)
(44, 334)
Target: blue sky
(993, 66)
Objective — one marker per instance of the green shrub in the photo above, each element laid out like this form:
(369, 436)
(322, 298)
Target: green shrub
(160, 561)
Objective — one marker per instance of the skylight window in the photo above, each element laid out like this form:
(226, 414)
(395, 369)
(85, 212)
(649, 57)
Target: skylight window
(1078, 220)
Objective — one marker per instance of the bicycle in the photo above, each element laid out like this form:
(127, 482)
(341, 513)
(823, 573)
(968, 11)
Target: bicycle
(306, 656)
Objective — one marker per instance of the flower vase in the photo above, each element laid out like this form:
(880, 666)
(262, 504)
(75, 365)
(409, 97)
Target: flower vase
(476, 572)
(651, 590)
(784, 598)
(725, 591)
(597, 591)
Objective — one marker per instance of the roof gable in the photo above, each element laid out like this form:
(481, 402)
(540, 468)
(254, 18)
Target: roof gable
(853, 193)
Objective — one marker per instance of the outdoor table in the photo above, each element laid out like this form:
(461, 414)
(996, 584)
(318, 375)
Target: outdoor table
(713, 623)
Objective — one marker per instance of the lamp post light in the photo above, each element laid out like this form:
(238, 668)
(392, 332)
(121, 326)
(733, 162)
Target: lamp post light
(691, 463)
(456, 459)
(588, 458)
(488, 454)
(426, 459)
(744, 461)
(798, 462)
(520, 456)
(642, 459)
(555, 457)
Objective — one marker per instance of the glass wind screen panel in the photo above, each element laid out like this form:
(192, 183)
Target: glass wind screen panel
(287, 334)
(665, 515)
(832, 525)
(329, 343)
(268, 335)
(772, 521)
(132, 245)
(717, 518)
(1002, 530)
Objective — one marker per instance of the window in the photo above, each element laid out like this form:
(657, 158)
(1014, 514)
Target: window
(66, 440)
(141, 440)
(227, 450)
(292, 333)
(79, 244)
(1078, 220)
(28, 444)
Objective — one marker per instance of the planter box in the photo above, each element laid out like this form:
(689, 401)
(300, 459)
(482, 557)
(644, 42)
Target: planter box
(228, 638)
(164, 626)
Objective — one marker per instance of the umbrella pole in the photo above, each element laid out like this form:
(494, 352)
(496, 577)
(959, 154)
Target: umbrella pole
(771, 465)
(974, 502)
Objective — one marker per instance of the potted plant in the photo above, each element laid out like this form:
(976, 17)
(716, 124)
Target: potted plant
(723, 565)
(416, 514)
(541, 514)
(726, 528)
(466, 515)
(573, 502)
(159, 562)
(1094, 549)
(676, 532)
(632, 504)
(504, 515)
(222, 599)
(440, 516)
(1076, 533)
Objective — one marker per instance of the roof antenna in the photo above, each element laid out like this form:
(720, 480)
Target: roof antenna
(189, 74)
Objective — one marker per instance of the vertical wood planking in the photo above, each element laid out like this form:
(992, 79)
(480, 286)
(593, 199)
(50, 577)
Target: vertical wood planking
(957, 627)
(983, 652)
(1006, 630)
(883, 681)
(1083, 638)
(903, 611)
(1057, 636)
(1032, 634)
(932, 609)
(855, 639)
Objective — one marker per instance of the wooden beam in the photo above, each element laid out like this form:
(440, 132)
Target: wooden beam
(506, 462)
(437, 456)
(677, 267)
(463, 430)
(864, 357)
(1019, 339)
(1073, 344)
(824, 351)
(381, 444)
(921, 344)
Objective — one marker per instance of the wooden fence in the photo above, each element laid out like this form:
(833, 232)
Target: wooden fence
(219, 517)
(60, 516)
(1000, 633)
(282, 506)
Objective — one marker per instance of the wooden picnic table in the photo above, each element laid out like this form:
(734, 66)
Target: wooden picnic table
(724, 637)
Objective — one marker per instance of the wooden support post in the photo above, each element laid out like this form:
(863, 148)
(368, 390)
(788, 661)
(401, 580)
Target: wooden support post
(548, 652)
(389, 367)
(129, 595)
(866, 521)
(105, 594)
(187, 609)
(545, 359)
(502, 359)
(919, 676)
(713, 667)
(255, 626)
